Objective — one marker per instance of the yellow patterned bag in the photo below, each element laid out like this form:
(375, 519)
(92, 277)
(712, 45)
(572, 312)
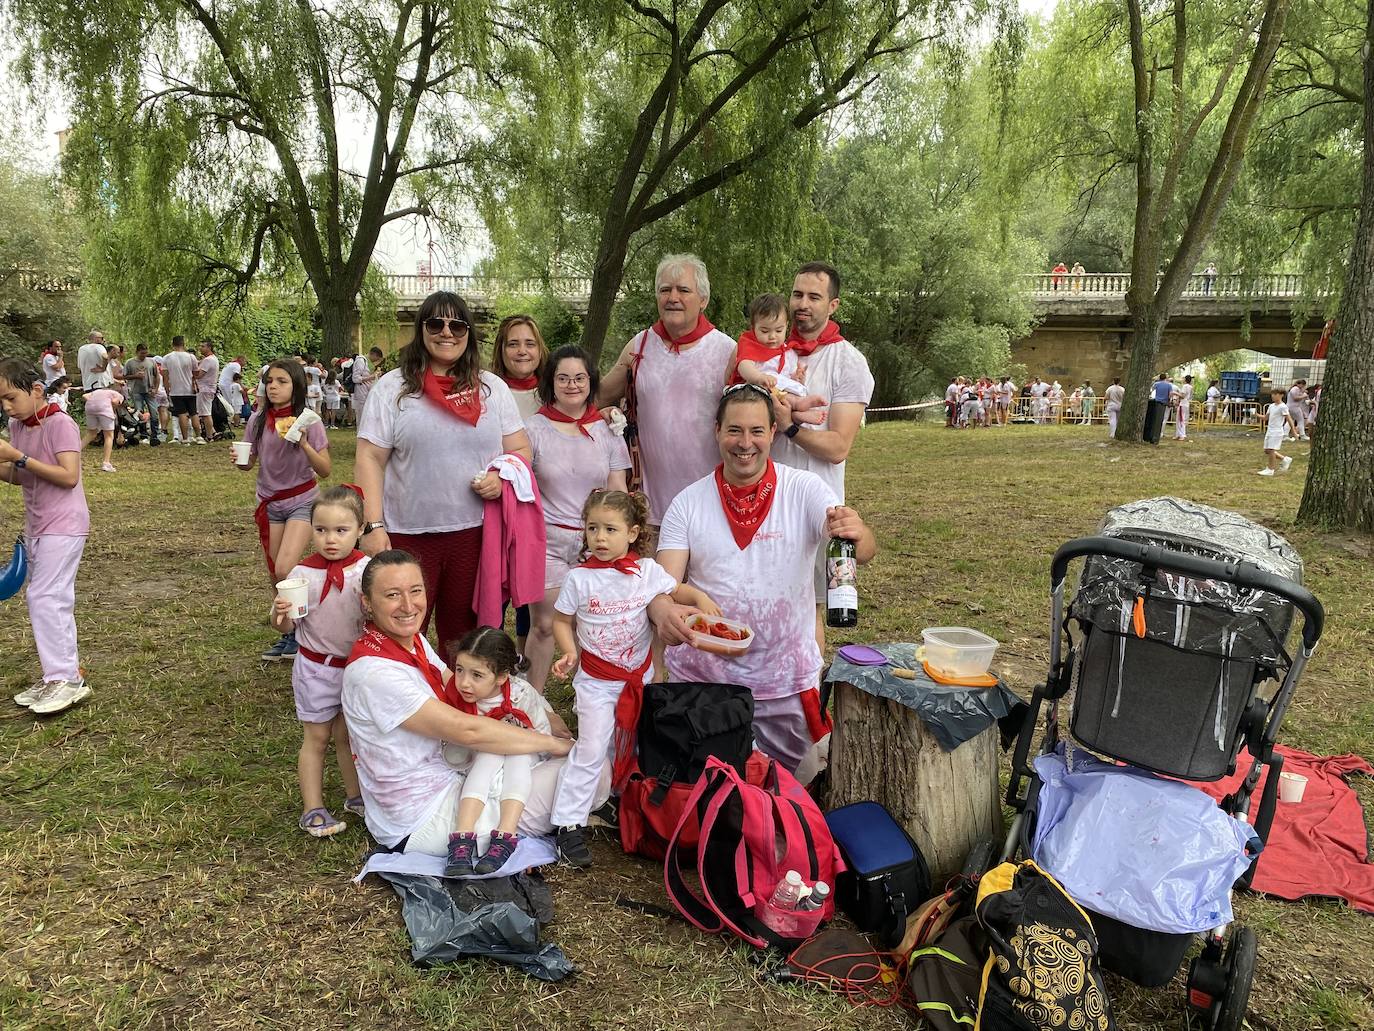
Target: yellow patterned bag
(1042, 972)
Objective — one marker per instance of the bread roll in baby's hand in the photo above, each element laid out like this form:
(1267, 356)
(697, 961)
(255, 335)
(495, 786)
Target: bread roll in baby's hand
(284, 425)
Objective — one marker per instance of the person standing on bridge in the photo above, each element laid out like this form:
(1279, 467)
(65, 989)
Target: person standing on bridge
(1209, 278)
(1077, 272)
(675, 369)
(1057, 274)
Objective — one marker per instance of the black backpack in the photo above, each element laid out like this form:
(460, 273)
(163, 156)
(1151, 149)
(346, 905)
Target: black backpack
(680, 726)
(347, 377)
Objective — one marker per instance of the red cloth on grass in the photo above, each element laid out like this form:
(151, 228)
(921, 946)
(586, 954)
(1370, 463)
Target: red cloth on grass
(1318, 846)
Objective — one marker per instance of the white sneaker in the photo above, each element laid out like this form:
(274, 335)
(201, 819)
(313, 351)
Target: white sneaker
(1287, 461)
(1266, 472)
(31, 693)
(63, 694)
(198, 440)
(106, 467)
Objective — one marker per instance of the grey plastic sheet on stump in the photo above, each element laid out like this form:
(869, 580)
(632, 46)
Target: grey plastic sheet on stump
(952, 714)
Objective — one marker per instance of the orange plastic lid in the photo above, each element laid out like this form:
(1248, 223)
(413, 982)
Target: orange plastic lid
(981, 680)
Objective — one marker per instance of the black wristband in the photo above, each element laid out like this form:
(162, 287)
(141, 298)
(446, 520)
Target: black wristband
(791, 431)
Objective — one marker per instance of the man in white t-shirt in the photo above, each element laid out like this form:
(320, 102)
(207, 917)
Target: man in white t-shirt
(179, 365)
(207, 382)
(227, 374)
(1004, 391)
(836, 371)
(92, 360)
(1114, 394)
(364, 375)
(745, 535)
(1213, 400)
(54, 366)
(678, 367)
(1183, 398)
(952, 400)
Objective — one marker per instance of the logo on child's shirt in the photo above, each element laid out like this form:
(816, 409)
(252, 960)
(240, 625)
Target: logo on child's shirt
(615, 606)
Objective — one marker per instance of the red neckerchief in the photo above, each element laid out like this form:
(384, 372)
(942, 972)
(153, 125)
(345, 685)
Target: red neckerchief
(746, 507)
(829, 335)
(333, 570)
(627, 709)
(627, 563)
(264, 524)
(694, 334)
(41, 414)
(465, 404)
(751, 349)
(375, 644)
(273, 414)
(591, 415)
(523, 383)
(500, 712)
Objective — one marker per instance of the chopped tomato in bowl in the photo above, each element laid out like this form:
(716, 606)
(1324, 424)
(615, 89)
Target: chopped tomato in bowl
(720, 635)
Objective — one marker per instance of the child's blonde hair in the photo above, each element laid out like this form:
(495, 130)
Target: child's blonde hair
(633, 507)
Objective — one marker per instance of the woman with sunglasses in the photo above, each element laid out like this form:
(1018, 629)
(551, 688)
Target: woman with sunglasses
(427, 437)
(575, 453)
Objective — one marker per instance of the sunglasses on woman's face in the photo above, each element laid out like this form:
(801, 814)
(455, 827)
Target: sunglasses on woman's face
(457, 327)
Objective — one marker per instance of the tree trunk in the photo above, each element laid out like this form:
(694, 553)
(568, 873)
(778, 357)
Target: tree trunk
(947, 801)
(1339, 492)
(338, 326)
(1148, 329)
(607, 275)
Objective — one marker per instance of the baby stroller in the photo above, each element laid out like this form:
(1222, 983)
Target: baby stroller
(220, 415)
(1177, 656)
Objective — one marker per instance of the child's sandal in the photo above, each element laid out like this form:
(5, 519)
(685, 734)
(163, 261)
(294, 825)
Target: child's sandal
(355, 806)
(320, 823)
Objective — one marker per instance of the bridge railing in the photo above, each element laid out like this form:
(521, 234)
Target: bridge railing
(1067, 286)
(46, 282)
(416, 287)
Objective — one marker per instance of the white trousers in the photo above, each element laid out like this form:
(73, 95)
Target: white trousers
(51, 597)
(1113, 410)
(513, 769)
(591, 756)
(1182, 430)
(431, 837)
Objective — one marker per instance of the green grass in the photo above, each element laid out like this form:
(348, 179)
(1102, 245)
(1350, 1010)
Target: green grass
(151, 874)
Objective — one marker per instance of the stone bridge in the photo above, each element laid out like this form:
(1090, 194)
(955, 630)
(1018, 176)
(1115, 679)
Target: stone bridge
(1084, 330)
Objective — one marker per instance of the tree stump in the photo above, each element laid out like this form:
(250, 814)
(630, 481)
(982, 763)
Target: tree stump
(947, 801)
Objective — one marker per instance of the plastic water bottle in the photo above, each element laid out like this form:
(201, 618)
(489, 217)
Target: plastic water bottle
(820, 891)
(788, 892)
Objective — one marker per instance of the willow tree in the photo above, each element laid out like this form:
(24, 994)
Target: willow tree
(1340, 476)
(217, 141)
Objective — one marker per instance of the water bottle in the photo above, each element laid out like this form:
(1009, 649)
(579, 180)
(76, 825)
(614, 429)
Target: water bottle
(788, 892)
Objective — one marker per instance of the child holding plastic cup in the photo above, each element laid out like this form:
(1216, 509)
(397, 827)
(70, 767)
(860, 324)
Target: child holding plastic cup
(286, 477)
(325, 635)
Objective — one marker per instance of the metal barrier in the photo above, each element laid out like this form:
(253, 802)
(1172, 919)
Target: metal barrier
(1227, 413)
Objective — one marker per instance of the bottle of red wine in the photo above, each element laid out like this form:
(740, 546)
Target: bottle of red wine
(841, 584)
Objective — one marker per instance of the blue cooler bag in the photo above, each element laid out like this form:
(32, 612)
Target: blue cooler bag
(887, 877)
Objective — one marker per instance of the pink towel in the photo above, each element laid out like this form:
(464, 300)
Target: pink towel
(511, 567)
(1318, 846)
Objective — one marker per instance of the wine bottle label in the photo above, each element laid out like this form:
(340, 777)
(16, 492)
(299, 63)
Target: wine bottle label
(842, 584)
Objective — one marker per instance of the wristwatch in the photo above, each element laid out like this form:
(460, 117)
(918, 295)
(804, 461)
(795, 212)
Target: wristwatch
(22, 461)
(791, 431)
(369, 527)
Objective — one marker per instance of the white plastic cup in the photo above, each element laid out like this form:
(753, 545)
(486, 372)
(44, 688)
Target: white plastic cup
(296, 591)
(243, 452)
(1291, 787)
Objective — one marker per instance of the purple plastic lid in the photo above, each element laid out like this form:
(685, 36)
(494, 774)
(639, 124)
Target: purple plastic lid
(862, 655)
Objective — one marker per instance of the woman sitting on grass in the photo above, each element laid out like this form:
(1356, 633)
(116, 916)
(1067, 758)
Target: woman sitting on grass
(398, 721)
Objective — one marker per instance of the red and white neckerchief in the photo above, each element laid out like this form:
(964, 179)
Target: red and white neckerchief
(829, 334)
(627, 563)
(694, 334)
(333, 569)
(462, 403)
(747, 507)
(38, 416)
(591, 415)
(529, 382)
(500, 712)
(375, 644)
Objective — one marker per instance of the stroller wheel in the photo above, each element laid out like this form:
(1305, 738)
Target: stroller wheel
(1240, 971)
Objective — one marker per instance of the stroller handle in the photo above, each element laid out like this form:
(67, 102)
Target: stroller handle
(1243, 574)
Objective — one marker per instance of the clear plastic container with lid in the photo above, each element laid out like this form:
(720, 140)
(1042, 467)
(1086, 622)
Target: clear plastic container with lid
(957, 651)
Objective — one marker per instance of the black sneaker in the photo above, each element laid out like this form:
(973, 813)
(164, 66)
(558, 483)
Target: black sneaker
(462, 852)
(607, 818)
(502, 847)
(572, 847)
